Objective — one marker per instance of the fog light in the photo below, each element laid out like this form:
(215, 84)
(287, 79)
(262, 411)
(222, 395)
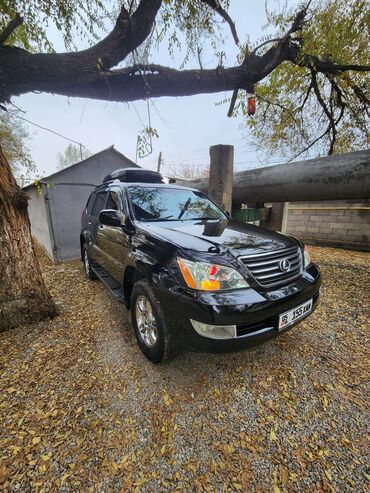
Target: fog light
(214, 331)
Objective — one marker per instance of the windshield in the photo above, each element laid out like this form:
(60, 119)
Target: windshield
(171, 204)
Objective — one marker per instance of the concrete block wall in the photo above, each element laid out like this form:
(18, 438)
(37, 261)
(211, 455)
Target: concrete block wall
(337, 223)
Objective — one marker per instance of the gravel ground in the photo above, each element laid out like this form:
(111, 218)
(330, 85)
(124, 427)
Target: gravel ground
(82, 410)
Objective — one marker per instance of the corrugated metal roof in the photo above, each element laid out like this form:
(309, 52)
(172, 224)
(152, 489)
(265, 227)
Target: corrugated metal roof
(81, 163)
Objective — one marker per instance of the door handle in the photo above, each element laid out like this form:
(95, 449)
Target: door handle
(89, 223)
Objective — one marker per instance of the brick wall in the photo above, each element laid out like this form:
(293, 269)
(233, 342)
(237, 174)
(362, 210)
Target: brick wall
(337, 223)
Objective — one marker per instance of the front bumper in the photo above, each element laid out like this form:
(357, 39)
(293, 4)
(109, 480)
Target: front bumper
(255, 313)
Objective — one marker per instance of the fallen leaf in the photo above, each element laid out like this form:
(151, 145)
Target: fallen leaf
(327, 474)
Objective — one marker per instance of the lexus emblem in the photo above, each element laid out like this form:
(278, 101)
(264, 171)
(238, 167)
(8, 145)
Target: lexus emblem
(284, 265)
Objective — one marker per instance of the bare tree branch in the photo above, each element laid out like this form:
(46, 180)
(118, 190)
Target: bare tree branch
(273, 40)
(296, 26)
(278, 105)
(215, 5)
(360, 94)
(306, 97)
(326, 110)
(299, 20)
(232, 103)
(310, 145)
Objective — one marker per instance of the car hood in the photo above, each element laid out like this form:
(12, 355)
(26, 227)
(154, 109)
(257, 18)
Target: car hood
(217, 235)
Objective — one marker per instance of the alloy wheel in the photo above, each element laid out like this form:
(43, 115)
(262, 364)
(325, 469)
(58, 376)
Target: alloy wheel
(145, 320)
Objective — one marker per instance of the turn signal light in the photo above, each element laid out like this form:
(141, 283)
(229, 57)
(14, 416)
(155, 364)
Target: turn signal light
(210, 285)
(187, 274)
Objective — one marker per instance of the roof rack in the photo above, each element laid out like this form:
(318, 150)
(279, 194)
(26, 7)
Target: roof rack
(134, 175)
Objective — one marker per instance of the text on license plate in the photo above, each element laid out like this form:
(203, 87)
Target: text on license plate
(287, 318)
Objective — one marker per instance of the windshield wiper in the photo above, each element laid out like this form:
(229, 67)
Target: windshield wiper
(156, 219)
(202, 219)
(171, 218)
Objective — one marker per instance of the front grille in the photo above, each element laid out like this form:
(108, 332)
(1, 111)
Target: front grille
(268, 268)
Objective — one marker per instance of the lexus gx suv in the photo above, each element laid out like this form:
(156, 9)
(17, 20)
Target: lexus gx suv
(192, 277)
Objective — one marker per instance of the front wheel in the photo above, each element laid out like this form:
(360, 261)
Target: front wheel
(151, 331)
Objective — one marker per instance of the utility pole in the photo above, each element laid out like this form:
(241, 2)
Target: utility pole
(220, 183)
(159, 162)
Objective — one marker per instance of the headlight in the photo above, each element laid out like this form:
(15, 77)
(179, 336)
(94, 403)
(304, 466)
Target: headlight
(210, 277)
(307, 258)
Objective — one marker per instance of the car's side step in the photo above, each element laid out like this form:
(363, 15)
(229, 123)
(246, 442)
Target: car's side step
(114, 287)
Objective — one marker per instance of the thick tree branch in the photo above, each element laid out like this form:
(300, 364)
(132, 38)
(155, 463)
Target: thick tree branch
(133, 83)
(90, 73)
(215, 5)
(10, 28)
(18, 67)
(327, 66)
(72, 74)
(128, 33)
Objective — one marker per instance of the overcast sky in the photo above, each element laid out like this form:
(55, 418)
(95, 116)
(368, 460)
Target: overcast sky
(187, 127)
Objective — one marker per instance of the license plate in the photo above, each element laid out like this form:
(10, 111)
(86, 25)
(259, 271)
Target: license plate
(290, 317)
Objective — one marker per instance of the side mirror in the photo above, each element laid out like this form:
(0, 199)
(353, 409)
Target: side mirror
(109, 217)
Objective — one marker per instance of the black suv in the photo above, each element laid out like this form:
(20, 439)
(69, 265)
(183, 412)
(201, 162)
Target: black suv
(192, 276)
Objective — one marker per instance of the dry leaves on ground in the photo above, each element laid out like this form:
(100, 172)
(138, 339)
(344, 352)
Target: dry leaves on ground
(82, 410)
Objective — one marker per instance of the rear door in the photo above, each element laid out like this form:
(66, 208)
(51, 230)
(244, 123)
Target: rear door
(94, 249)
(87, 223)
(114, 240)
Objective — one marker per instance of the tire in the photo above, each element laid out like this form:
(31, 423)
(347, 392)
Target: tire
(155, 338)
(87, 264)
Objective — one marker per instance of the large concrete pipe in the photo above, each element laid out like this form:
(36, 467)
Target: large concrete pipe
(343, 176)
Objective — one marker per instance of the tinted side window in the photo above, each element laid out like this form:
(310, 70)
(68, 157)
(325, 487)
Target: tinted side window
(90, 203)
(99, 204)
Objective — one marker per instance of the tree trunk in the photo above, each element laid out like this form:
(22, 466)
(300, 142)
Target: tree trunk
(23, 295)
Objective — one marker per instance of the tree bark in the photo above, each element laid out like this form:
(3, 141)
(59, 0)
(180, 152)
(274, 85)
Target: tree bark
(23, 295)
(77, 74)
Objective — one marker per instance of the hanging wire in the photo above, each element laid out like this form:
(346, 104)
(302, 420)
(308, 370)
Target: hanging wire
(48, 130)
